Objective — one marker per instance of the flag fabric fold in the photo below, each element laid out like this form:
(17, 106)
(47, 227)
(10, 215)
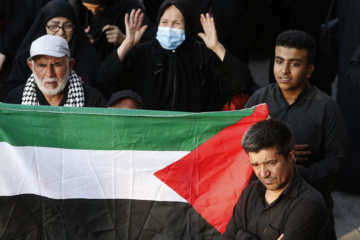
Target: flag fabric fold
(87, 173)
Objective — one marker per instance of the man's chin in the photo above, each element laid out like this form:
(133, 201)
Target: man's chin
(270, 185)
(52, 92)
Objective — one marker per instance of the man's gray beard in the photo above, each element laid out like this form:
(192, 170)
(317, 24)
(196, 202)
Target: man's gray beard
(52, 92)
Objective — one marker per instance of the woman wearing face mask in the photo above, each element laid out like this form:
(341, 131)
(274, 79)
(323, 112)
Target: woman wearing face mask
(174, 71)
(56, 18)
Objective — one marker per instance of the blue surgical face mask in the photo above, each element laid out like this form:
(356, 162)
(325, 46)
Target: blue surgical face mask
(170, 38)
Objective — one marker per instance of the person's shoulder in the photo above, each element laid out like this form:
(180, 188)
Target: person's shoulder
(321, 97)
(308, 193)
(15, 95)
(309, 203)
(301, 195)
(271, 87)
(261, 95)
(320, 94)
(90, 90)
(144, 45)
(251, 188)
(93, 97)
(141, 50)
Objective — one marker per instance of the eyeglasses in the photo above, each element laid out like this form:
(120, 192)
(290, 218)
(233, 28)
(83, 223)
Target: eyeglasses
(56, 28)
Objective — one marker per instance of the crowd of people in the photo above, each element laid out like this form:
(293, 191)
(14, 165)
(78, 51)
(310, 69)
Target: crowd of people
(193, 56)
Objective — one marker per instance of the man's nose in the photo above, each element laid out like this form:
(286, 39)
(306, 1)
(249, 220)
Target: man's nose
(50, 71)
(264, 172)
(285, 68)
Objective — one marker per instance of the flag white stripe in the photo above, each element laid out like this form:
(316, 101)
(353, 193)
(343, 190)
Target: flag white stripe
(67, 173)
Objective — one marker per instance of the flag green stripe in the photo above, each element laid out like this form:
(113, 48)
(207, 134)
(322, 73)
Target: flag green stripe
(110, 129)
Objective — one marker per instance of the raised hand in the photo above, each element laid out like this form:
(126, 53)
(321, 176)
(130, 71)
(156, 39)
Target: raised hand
(209, 36)
(134, 32)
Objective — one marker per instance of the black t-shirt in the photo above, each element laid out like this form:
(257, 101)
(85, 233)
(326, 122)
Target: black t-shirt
(298, 213)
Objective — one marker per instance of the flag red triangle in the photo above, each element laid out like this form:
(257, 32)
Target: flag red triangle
(212, 176)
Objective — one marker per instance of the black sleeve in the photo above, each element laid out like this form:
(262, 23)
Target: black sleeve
(15, 95)
(110, 72)
(235, 229)
(232, 72)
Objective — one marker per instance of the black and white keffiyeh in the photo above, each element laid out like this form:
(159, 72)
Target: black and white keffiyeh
(75, 98)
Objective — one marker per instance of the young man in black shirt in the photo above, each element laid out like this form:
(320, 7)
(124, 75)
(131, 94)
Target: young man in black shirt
(313, 116)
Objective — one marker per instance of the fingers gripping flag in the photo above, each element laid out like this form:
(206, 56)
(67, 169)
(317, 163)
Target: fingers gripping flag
(84, 173)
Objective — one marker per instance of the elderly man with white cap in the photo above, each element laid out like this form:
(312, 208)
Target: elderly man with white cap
(53, 82)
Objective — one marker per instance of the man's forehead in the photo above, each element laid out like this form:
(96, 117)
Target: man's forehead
(289, 52)
(265, 154)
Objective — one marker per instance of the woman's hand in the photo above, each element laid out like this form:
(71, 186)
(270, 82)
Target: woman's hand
(210, 37)
(91, 38)
(114, 34)
(134, 32)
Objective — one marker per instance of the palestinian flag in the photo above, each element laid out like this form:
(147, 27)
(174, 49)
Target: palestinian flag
(86, 173)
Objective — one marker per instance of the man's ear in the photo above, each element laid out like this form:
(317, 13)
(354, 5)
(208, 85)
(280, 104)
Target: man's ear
(29, 63)
(309, 70)
(291, 155)
(71, 64)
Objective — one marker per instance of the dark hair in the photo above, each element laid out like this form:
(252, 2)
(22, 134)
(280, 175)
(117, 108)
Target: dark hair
(300, 40)
(267, 134)
(100, 2)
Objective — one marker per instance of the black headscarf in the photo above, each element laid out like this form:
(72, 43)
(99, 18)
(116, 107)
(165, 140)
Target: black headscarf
(186, 10)
(86, 58)
(114, 14)
(100, 2)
